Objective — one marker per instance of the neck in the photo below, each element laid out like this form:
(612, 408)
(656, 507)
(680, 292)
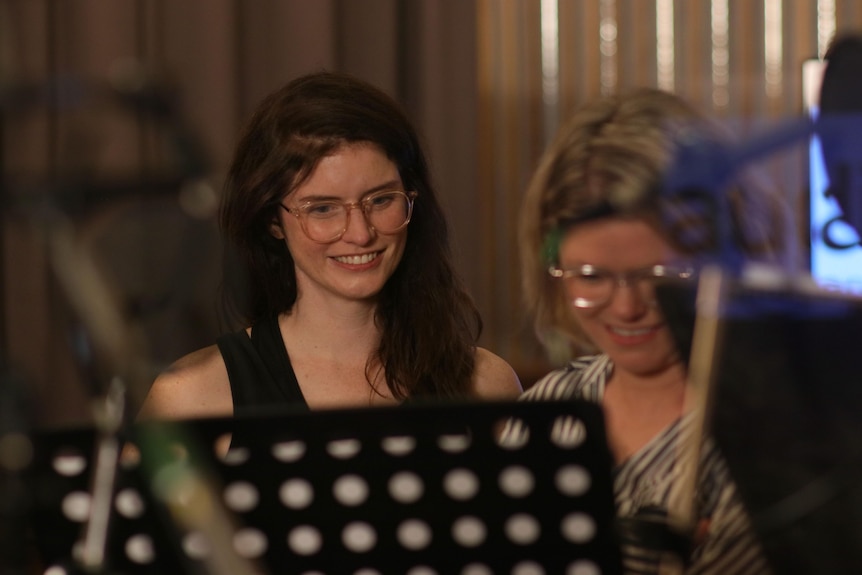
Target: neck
(664, 387)
(343, 328)
(638, 407)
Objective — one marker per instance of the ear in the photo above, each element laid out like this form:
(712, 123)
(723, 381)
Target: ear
(275, 228)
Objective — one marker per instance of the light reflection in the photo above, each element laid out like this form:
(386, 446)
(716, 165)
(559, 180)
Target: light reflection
(550, 65)
(608, 45)
(719, 16)
(825, 25)
(772, 47)
(664, 54)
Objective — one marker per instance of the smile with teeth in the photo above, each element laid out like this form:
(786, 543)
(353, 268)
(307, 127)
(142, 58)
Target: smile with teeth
(631, 332)
(357, 260)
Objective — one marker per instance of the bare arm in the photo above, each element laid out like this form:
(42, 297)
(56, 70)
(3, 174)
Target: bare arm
(494, 378)
(197, 385)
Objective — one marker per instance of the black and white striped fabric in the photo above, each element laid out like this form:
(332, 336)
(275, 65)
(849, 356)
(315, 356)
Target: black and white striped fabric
(643, 484)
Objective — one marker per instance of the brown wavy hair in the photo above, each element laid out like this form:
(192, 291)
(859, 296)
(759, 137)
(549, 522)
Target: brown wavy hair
(429, 323)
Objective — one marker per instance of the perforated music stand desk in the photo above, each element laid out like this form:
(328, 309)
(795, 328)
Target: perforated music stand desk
(418, 490)
(787, 416)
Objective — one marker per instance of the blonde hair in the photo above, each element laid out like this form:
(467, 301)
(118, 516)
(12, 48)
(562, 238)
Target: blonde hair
(607, 159)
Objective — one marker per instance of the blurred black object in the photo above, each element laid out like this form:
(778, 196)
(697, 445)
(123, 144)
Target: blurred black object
(696, 183)
(787, 415)
(16, 453)
(134, 92)
(840, 126)
(423, 487)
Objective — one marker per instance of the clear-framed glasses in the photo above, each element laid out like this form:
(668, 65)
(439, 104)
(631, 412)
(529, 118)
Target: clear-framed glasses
(590, 286)
(325, 221)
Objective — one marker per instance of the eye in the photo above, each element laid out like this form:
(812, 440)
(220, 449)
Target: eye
(674, 272)
(381, 201)
(589, 274)
(321, 209)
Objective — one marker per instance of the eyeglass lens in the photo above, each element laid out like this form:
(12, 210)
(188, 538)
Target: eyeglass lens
(386, 212)
(590, 288)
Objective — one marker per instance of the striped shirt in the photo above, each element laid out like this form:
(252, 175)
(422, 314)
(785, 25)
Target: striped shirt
(643, 484)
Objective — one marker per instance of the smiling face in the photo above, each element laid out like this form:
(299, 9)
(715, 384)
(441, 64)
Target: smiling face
(356, 266)
(629, 327)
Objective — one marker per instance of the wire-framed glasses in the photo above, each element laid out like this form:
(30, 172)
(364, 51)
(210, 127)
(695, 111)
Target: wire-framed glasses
(590, 286)
(325, 221)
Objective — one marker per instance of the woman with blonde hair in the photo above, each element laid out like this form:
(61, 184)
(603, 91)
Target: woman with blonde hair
(598, 233)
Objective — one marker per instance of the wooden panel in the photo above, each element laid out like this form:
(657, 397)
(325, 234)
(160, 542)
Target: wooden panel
(368, 41)
(487, 33)
(34, 346)
(693, 60)
(279, 41)
(438, 38)
(199, 54)
(636, 33)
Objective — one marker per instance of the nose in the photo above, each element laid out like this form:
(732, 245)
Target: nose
(357, 229)
(627, 301)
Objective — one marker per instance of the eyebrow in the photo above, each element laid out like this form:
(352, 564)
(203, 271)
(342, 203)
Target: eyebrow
(390, 185)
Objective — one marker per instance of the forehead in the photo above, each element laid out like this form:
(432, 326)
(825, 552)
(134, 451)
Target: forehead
(350, 169)
(614, 243)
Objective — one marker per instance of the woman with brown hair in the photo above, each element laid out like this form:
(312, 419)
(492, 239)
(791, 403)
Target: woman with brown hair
(339, 269)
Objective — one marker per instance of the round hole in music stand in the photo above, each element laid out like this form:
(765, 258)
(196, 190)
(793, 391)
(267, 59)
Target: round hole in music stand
(476, 569)
(76, 506)
(296, 493)
(129, 503)
(139, 549)
(572, 480)
(578, 527)
(516, 481)
(250, 543)
(359, 536)
(350, 490)
(522, 529)
(528, 568)
(196, 545)
(461, 484)
(305, 540)
(469, 531)
(414, 534)
(406, 487)
(288, 451)
(583, 567)
(69, 463)
(398, 445)
(344, 448)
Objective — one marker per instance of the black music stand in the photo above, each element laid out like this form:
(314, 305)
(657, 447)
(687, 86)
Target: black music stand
(419, 489)
(787, 416)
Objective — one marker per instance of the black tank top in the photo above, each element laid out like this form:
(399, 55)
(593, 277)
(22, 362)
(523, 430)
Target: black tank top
(259, 369)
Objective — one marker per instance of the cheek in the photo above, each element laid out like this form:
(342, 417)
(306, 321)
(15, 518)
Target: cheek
(400, 245)
(585, 317)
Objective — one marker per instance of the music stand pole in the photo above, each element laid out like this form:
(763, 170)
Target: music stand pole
(706, 341)
(109, 419)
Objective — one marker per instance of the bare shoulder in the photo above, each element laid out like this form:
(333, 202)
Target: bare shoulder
(196, 385)
(494, 378)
